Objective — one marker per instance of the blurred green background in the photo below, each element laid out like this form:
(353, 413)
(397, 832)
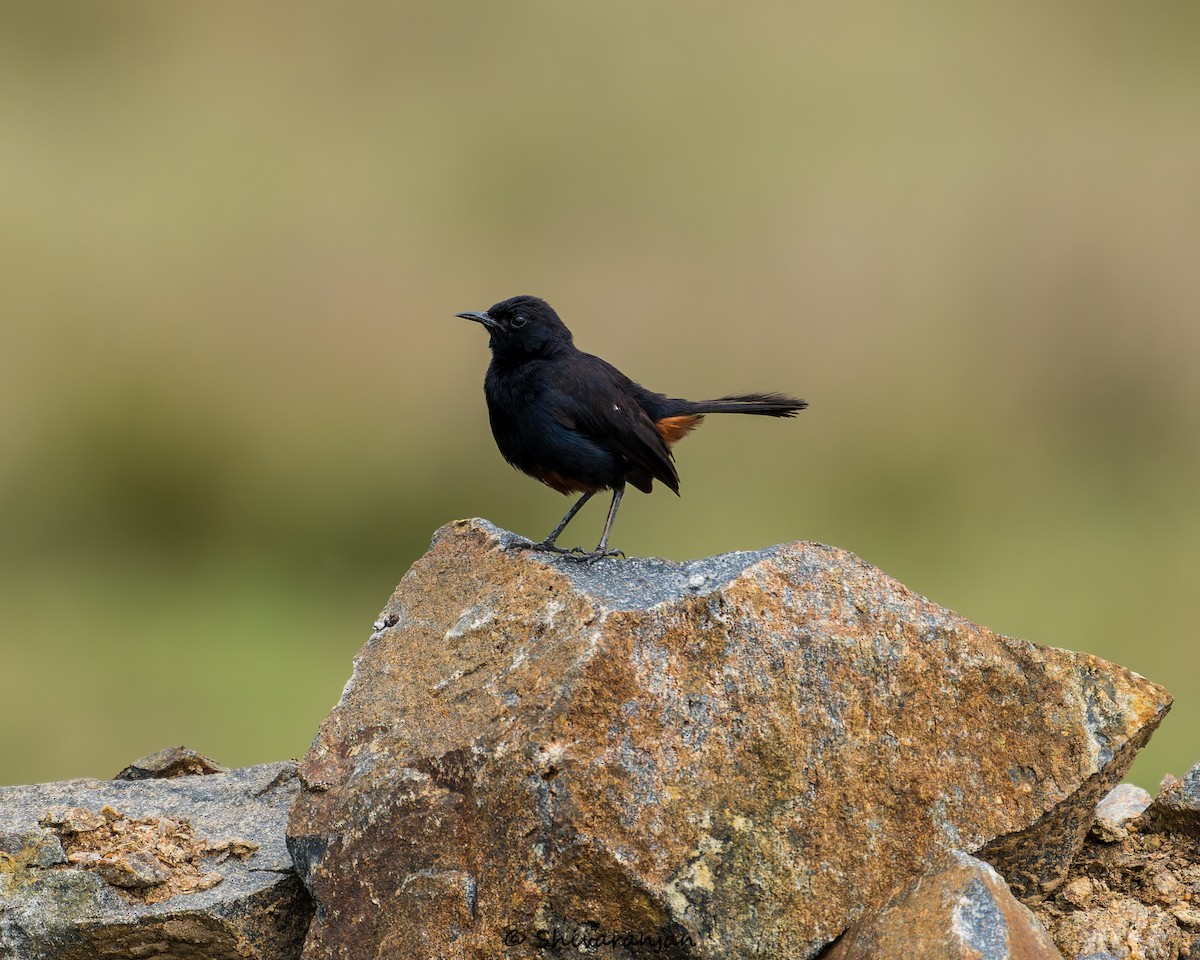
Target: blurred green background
(235, 403)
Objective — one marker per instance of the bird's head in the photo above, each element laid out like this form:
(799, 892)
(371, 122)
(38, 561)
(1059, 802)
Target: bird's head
(522, 326)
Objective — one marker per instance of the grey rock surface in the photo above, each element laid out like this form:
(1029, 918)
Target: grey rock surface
(1122, 804)
(189, 867)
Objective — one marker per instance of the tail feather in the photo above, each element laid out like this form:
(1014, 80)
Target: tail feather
(761, 404)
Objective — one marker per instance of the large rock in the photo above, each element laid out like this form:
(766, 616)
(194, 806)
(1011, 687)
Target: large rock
(191, 868)
(724, 758)
(960, 911)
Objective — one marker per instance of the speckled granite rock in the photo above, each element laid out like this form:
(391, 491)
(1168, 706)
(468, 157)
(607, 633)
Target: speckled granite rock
(183, 868)
(962, 911)
(1177, 806)
(734, 755)
(1125, 929)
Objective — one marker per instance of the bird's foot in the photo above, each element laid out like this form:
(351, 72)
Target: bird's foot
(591, 556)
(546, 546)
(578, 554)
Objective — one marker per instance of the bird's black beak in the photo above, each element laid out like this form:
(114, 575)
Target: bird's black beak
(478, 318)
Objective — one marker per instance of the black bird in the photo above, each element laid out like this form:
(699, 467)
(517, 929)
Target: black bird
(577, 423)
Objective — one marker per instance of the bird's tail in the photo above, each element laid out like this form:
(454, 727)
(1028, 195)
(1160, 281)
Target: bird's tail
(760, 404)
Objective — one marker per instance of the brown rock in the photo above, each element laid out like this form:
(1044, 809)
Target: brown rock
(72, 820)
(734, 756)
(1131, 890)
(1125, 929)
(136, 870)
(1078, 891)
(171, 762)
(962, 911)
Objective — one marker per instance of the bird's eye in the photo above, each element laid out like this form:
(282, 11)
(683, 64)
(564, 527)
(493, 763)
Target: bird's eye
(519, 320)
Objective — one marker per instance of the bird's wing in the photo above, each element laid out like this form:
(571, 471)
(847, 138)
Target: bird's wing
(598, 401)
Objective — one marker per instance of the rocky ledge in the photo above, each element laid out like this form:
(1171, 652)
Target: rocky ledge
(725, 758)
(177, 858)
(779, 753)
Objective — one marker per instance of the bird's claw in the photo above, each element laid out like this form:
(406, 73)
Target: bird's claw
(545, 546)
(578, 554)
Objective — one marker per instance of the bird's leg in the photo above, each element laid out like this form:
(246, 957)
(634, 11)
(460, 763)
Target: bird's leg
(602, 550)
(548, 543)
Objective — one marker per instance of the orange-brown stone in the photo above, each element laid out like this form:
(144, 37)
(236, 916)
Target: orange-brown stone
(960, 910)
(727, 758)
